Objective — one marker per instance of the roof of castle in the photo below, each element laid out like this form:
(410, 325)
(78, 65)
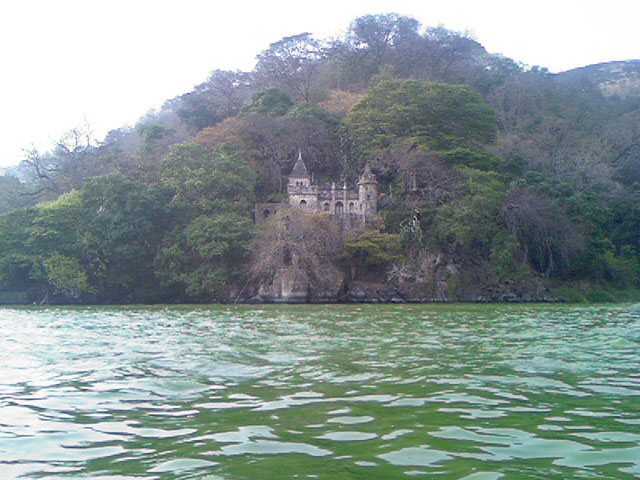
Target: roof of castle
(299, 169)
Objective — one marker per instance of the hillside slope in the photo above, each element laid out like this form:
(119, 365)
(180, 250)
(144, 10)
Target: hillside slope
(497, 180)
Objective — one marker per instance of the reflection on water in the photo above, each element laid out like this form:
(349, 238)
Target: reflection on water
(472, 392)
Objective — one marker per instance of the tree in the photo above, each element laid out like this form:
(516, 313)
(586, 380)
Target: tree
(375, 44)
(54, 247)
(16, 261)
(371, 252)
(213, 194)
(206, 258)
(403, 127)
(467, 225)
(41, 169)
(272, 132)
(376, 35)
(65, 168)
(98, 242)
(66, 275)
(440, 117)
(119, 237)
(308, 244)
(549, 239)
(208, 182)
(290, 64)
(451, 56)
(272, 102)
(221, 96)
(151, 135)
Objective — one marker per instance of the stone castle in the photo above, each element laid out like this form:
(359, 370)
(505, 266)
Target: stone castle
(348, 204)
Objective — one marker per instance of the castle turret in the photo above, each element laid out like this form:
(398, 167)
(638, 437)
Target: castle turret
(301, 193)
(368, 194)
(299, 175)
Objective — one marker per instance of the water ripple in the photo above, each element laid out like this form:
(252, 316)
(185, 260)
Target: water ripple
(464, 392)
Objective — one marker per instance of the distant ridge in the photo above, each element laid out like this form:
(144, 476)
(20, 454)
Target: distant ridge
(618, 78)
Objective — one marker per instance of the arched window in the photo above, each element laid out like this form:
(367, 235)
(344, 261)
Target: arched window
(352, 207)
(326, 206)
(266, 213)
(339, 209)
(303, 204)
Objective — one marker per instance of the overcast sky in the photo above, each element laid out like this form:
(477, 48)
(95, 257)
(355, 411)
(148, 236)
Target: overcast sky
(110, 62)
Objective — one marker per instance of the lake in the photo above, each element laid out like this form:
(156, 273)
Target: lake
(473, 392)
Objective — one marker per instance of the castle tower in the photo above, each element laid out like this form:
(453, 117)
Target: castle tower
(368, 194)
(299, 176)
(301, 193)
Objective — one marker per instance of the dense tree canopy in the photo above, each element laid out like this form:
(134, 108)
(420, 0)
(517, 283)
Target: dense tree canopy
(436, 116)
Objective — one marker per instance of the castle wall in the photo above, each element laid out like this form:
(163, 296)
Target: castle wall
(303, 196)
(265, 210)
(349, 204)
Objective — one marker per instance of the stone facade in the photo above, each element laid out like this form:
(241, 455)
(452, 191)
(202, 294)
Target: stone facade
(348, 204)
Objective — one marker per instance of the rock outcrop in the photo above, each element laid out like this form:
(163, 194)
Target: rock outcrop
(293, 286)
(288, 286)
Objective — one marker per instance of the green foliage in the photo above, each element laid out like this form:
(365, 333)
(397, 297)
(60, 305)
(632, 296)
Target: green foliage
(204, 257)
(393, 220)
(372, 251)
(125, 224)
(624, 221)
(16, 262)
(412, 232)
(213, 198)
(271, 102)
(513, 164)
(100, 241)
(310, 113)
(550, 239)
(56, 223)
(622, 269)
(504, 257)
(469, 224)
(209, 182)
(42, 254)
(438, 116)
(66, 275)
(150, 133)
(196, 112)
(477, 159)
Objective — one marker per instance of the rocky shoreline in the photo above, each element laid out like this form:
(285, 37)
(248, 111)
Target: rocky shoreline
(374, 292)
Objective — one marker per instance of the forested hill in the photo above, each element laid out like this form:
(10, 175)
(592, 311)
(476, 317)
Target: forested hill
(498, 181)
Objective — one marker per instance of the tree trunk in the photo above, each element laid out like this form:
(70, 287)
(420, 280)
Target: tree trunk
(550, 265)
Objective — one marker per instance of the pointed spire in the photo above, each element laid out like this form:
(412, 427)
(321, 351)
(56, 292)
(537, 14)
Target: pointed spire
(299, 169)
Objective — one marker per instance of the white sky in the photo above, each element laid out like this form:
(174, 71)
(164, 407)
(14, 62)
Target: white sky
(111, 61)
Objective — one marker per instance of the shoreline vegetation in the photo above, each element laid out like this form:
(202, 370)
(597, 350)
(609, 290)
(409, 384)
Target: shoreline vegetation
(496, 181)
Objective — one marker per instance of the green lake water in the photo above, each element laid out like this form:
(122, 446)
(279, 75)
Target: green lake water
(473, 392)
